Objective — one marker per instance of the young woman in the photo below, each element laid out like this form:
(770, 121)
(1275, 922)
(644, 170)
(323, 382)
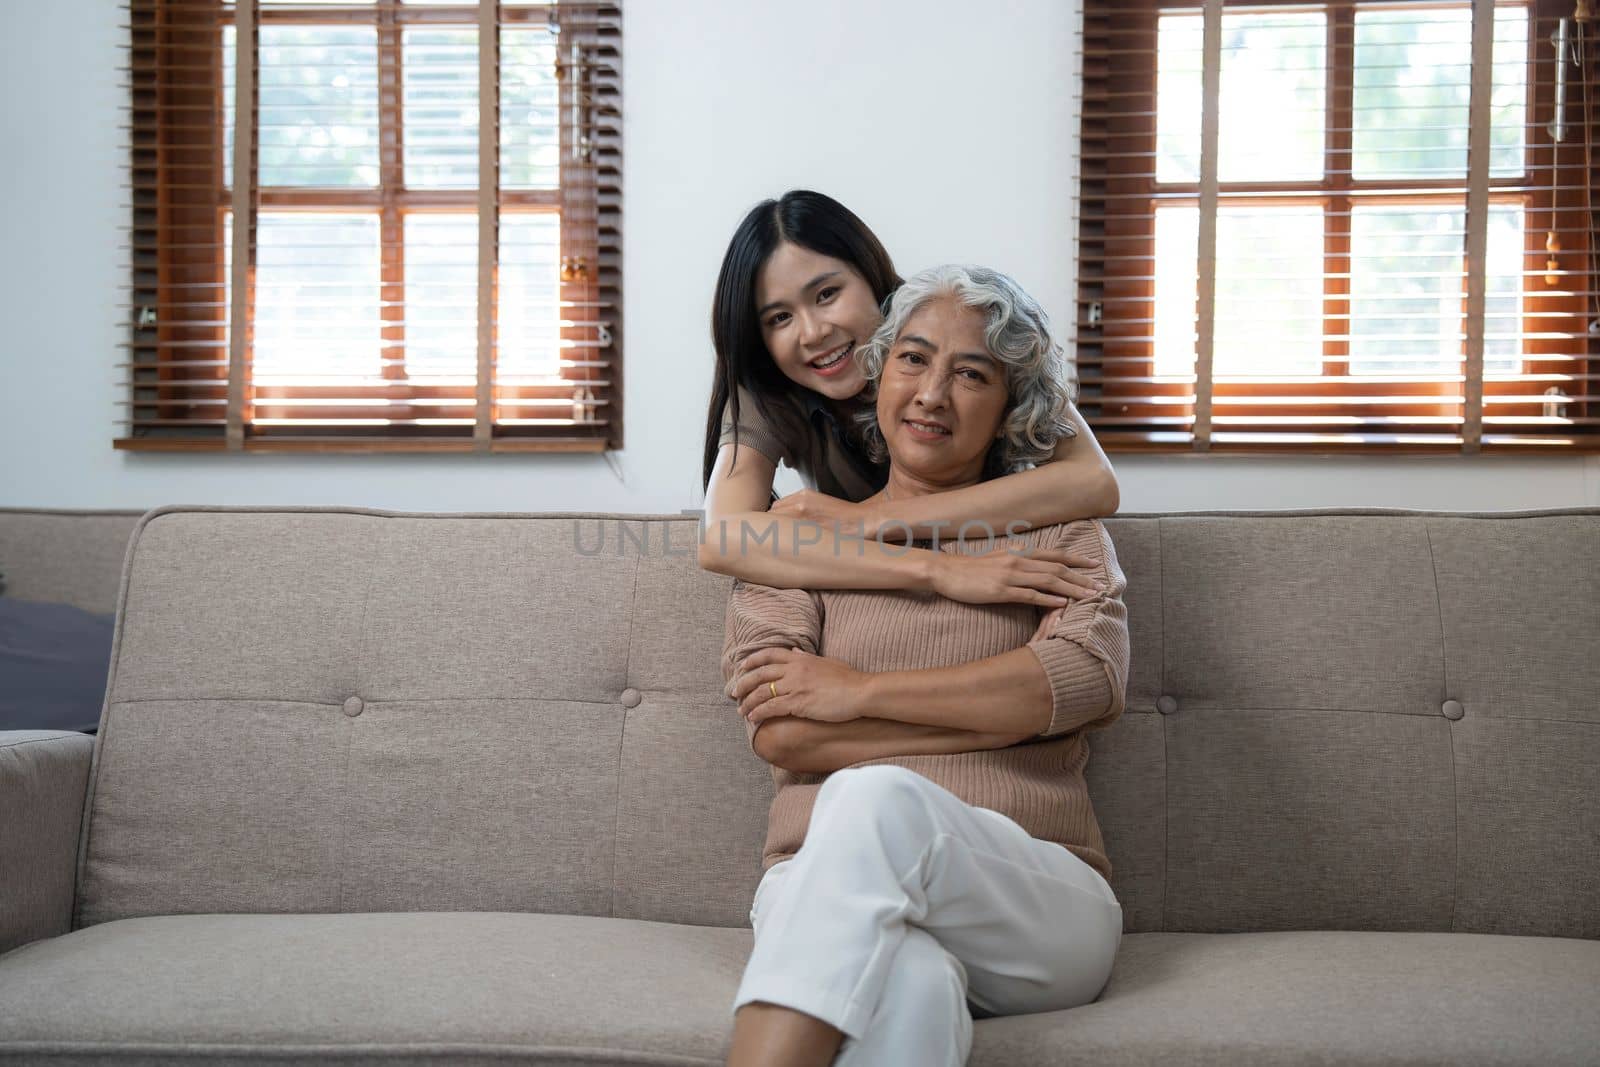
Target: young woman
(803, 282)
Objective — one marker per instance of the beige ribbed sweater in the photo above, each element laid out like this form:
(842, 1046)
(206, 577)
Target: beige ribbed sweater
(1038, 783)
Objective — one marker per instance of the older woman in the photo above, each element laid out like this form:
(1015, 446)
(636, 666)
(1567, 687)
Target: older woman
(931, 851)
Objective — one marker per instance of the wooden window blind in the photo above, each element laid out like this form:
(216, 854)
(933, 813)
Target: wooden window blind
(1342, 225)
(374, 226)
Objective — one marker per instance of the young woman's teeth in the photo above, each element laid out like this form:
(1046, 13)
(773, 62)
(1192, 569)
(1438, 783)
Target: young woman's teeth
(828, 361)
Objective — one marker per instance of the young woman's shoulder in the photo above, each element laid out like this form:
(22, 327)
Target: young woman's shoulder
(797, 430)
(776, 428)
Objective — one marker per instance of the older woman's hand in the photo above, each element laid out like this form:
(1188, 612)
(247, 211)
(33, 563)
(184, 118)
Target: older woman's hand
(806, 686)
(1047, 625)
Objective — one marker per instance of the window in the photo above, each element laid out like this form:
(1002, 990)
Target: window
(330, 252)
(1293, 247)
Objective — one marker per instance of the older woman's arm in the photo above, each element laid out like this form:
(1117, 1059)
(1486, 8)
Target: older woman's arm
(761, 617)
(806, 746)
(1073, 677)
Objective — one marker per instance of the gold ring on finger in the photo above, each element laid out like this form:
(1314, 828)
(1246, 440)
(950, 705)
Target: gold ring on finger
(774, 687)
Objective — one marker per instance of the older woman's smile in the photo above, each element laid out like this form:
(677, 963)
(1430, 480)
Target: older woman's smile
(927, 431)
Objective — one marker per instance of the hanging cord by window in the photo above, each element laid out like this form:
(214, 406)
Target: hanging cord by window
(1557, 128)
(1584, 17)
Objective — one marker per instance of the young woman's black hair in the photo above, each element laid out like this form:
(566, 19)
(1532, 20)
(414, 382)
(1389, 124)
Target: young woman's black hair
(810, 220)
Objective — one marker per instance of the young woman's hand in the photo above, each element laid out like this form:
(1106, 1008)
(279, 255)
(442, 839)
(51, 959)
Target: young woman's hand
(806, 686)
(1015, 575)
(812, 506)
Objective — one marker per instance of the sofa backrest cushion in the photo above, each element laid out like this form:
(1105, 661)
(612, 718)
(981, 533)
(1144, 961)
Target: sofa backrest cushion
(1335, 720)
(65, 555)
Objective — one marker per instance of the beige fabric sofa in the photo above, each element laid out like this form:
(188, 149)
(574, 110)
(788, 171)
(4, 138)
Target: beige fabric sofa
(373, 786)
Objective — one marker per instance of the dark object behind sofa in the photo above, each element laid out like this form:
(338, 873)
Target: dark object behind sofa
(53, 664)
(61, 570)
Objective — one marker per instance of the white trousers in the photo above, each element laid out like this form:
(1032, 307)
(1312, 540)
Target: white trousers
(908, 912)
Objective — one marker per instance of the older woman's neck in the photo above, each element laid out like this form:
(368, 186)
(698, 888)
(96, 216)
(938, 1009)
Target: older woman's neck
(903, 485)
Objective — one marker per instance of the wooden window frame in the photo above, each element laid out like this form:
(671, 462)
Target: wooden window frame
(1119, 259)
(178, 80)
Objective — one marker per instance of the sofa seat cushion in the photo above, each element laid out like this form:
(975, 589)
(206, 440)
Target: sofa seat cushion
(483, 986)
(1325, 997)
(497, 987)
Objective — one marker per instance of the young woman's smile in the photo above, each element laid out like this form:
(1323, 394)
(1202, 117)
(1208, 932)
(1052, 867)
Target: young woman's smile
(833, 363)
(813, 310)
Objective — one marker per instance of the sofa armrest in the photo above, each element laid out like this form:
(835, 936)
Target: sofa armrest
(44, 775)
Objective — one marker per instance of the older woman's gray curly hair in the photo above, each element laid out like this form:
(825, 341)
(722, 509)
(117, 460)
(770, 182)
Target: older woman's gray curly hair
(1017, 334)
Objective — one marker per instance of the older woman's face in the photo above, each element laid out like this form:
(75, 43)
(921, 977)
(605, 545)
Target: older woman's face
(941, 395)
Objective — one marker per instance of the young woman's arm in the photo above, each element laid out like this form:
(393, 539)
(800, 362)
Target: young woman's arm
(1076, 483)
(743, 539)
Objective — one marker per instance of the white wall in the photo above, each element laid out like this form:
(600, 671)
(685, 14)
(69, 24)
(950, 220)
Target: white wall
(947, 126)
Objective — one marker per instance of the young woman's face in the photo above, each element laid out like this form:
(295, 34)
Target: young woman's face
(813, 311)
(941, 395)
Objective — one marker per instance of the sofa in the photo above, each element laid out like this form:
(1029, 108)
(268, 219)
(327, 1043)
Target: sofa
(375, 786)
